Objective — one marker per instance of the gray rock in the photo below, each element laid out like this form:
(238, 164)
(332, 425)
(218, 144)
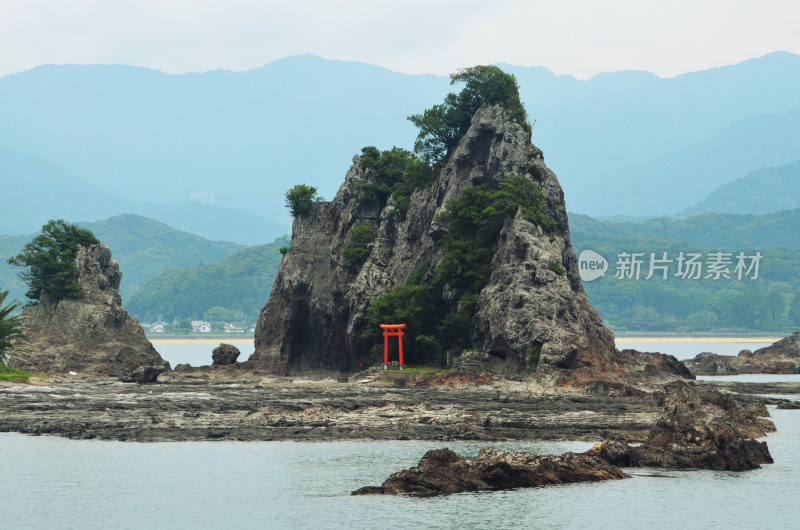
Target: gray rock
(224, 354)
(91, 335)
(534, 301)
(782, 357)
(786, 349)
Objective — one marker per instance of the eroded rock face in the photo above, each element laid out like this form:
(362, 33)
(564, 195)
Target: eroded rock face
(533, 304)
(91, 335)
(699, 430)
(443, 471)
(782, 357)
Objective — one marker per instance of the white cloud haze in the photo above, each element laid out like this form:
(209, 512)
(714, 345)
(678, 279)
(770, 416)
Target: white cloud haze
(580, 37)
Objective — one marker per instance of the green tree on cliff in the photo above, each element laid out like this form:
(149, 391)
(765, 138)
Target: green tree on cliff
(442, 126)
(50, 258)
(300, 198)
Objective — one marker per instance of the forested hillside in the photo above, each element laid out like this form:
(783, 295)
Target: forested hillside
(240, 283)
(143, 248)
(769, 189)
(761, 296)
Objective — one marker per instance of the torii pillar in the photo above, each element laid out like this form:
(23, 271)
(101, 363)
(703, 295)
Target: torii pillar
(392, 330)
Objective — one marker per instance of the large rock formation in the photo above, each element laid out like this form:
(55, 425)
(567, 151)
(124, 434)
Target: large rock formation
(782, 357)
(534, 301)
(441, 471)
(90, 335)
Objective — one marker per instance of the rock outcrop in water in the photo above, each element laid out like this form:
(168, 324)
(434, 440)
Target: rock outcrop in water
(782, 357)
(442, 471)
(533, 306)
(699, 430)
(224, 354)
(91, 335)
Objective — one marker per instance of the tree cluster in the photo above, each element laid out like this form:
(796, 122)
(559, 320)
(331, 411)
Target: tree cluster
(300, 199)
(442, 126)
(50, 258)
(396, 173)
(474, 222)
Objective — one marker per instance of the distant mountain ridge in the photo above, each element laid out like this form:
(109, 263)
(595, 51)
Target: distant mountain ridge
(731, 232)
(617, 140)
(36, 190)
(762, 191)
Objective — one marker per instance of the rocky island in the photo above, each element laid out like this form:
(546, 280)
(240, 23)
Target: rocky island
(90, 333)
(471, 248)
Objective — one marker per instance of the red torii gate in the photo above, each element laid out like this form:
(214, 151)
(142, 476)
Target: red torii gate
(393, 330)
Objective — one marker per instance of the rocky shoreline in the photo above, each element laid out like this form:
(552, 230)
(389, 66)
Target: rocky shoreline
(191, 408)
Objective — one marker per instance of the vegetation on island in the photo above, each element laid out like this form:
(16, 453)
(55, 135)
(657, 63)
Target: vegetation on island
(442, 126)
(474, 219)
(360, 247)
(396, 173)
(10, 329)
(300, 199)
(50, 259)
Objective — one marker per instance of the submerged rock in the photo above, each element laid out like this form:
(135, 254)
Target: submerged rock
(91, 335)
(443, 471)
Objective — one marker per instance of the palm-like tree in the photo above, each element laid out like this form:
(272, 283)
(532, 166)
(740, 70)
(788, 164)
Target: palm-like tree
(10, 327)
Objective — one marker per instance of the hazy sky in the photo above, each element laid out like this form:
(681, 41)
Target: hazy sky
(580, 37)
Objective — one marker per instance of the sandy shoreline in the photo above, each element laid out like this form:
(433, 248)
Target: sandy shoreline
(689, 340)
(619, 340)
(202, 341)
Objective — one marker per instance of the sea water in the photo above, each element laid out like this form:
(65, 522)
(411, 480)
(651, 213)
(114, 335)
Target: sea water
(199, 353)
(48, 482)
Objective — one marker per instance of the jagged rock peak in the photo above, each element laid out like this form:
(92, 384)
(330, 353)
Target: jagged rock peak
(533, 306)
(91, 335)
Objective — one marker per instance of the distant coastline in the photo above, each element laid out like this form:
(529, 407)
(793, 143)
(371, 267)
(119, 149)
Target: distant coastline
(214, 339)
(626, 339)
(693, 339)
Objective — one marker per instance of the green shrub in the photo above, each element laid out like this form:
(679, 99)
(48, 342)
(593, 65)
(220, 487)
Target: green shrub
(442, 126)
(534, 352)
(284, 251)
(396, 173)
(556, 267)
(474, 221)
(50, 257)
(360, 245)
(300, 199)
(7, 373)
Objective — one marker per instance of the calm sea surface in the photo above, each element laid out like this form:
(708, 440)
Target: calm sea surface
(48, 482)
(198, 354)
